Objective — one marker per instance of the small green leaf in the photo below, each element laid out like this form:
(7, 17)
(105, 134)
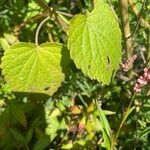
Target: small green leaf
(127, 114)
(81, 142)
(31, 68)
(63, 125)
(67, 146)
(11, 39)
(108, 112)
(95, 42)
(55, 113)
(104, 121)
(96, 124)
(4, 44)
(52, 127)
(106, 142)
(145, 132)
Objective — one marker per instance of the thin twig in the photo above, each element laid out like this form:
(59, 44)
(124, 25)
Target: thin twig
(124, 78)
(43, 5)
(18, 27)
(143, 57)
(137, 13)
(64, 13)
(138, 21)
(62, 21)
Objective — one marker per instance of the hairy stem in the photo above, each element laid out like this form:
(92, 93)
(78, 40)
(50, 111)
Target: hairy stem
(126, 27)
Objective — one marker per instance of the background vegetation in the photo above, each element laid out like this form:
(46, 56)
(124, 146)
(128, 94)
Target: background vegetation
(72, 118)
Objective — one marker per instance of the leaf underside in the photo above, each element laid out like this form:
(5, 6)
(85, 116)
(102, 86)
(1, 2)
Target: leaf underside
(94, 41)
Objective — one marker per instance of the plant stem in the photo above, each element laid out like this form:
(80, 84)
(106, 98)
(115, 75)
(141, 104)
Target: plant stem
(43, 5)
(138, 18)
(122, 122)
(64, 13)
(58, 15)
(20, 26)
(126, 27)
(62, 21)
(143, 22)
(148, 49)
(38, 29)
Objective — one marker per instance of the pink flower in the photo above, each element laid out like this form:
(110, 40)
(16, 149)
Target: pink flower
(142, 80)
(128, 64)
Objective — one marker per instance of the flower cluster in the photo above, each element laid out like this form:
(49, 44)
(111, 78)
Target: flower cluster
(142, 80)
(128, 64)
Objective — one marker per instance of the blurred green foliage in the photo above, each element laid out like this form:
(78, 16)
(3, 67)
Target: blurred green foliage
(70, 119)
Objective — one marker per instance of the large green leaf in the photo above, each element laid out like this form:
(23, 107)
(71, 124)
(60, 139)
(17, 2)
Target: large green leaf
(95, 42)
(31, 68)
